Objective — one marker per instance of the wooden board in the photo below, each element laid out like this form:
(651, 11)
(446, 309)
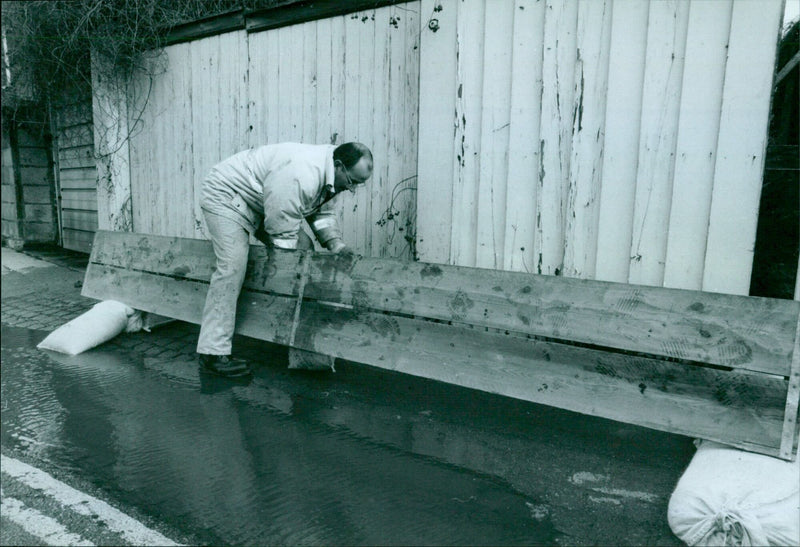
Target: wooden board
(523, 147)
(695, 155)
(436, 112)
(666, 44)
(733, 331)
(590, 84)
(741, 146)
(621, 141)
(604, 349)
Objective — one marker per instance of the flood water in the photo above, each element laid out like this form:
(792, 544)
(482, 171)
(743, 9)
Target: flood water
(285, 458)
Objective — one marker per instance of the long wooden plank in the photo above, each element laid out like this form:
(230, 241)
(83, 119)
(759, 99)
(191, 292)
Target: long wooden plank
(259, 315)
(469, 101)
(698, 130)
(523, 147)
(436, 108)
(741, 146)
(736, 408)
(555, 136)
(634, 391)
(627, 52)
(586, 164)
(788, 436)
(666, 43)
(495, 121)
(733, 331)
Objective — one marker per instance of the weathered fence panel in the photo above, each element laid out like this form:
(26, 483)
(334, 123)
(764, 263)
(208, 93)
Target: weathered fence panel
(648, 159)
(352, 77)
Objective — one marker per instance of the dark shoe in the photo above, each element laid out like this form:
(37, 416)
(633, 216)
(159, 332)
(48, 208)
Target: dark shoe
(223, 365)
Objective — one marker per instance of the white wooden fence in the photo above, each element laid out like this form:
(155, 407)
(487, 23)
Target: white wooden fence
(615, 140)
(609, 139)
(352, 77)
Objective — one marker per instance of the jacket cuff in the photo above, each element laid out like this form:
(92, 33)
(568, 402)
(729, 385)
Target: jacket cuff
(284, 243)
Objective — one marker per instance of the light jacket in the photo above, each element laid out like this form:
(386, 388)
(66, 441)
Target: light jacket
(279, 185)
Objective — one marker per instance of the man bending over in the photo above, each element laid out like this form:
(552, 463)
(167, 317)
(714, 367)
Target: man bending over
(268, 192)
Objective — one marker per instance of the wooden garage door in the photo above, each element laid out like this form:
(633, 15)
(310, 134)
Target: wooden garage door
(77, 176)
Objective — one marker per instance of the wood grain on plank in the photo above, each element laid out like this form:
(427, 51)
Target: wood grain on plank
(727, 330)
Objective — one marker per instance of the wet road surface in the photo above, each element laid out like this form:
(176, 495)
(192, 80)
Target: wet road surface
(286, 458)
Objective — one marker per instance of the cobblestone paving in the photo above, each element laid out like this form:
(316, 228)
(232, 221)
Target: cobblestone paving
(177, 340)
(42, 311)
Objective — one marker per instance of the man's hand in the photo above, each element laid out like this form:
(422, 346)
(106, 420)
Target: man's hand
(335, 245)
(346, 253)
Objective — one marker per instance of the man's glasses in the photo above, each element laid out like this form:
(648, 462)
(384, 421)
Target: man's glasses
(350, 182)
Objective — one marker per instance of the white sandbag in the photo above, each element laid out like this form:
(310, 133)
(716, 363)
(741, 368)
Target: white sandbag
(731, 497)
(100, 324)
(310, 360)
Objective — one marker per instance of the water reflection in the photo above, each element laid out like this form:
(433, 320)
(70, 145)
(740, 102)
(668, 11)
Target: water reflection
(254, 461)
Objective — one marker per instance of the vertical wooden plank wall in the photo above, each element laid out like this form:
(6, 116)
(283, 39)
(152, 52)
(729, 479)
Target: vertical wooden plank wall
(649, 123)
(353, 77)
(348, 78)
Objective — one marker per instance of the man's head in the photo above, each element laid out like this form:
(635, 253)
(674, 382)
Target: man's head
(352, 163)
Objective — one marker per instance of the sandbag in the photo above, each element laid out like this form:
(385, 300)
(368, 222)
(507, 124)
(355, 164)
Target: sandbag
(731, 497)
(100, 324)
(310, 360)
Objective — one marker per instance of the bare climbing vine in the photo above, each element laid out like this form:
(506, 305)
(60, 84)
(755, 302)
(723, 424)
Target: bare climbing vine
(396, 224)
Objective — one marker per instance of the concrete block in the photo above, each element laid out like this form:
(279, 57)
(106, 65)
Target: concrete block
(36, 195)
